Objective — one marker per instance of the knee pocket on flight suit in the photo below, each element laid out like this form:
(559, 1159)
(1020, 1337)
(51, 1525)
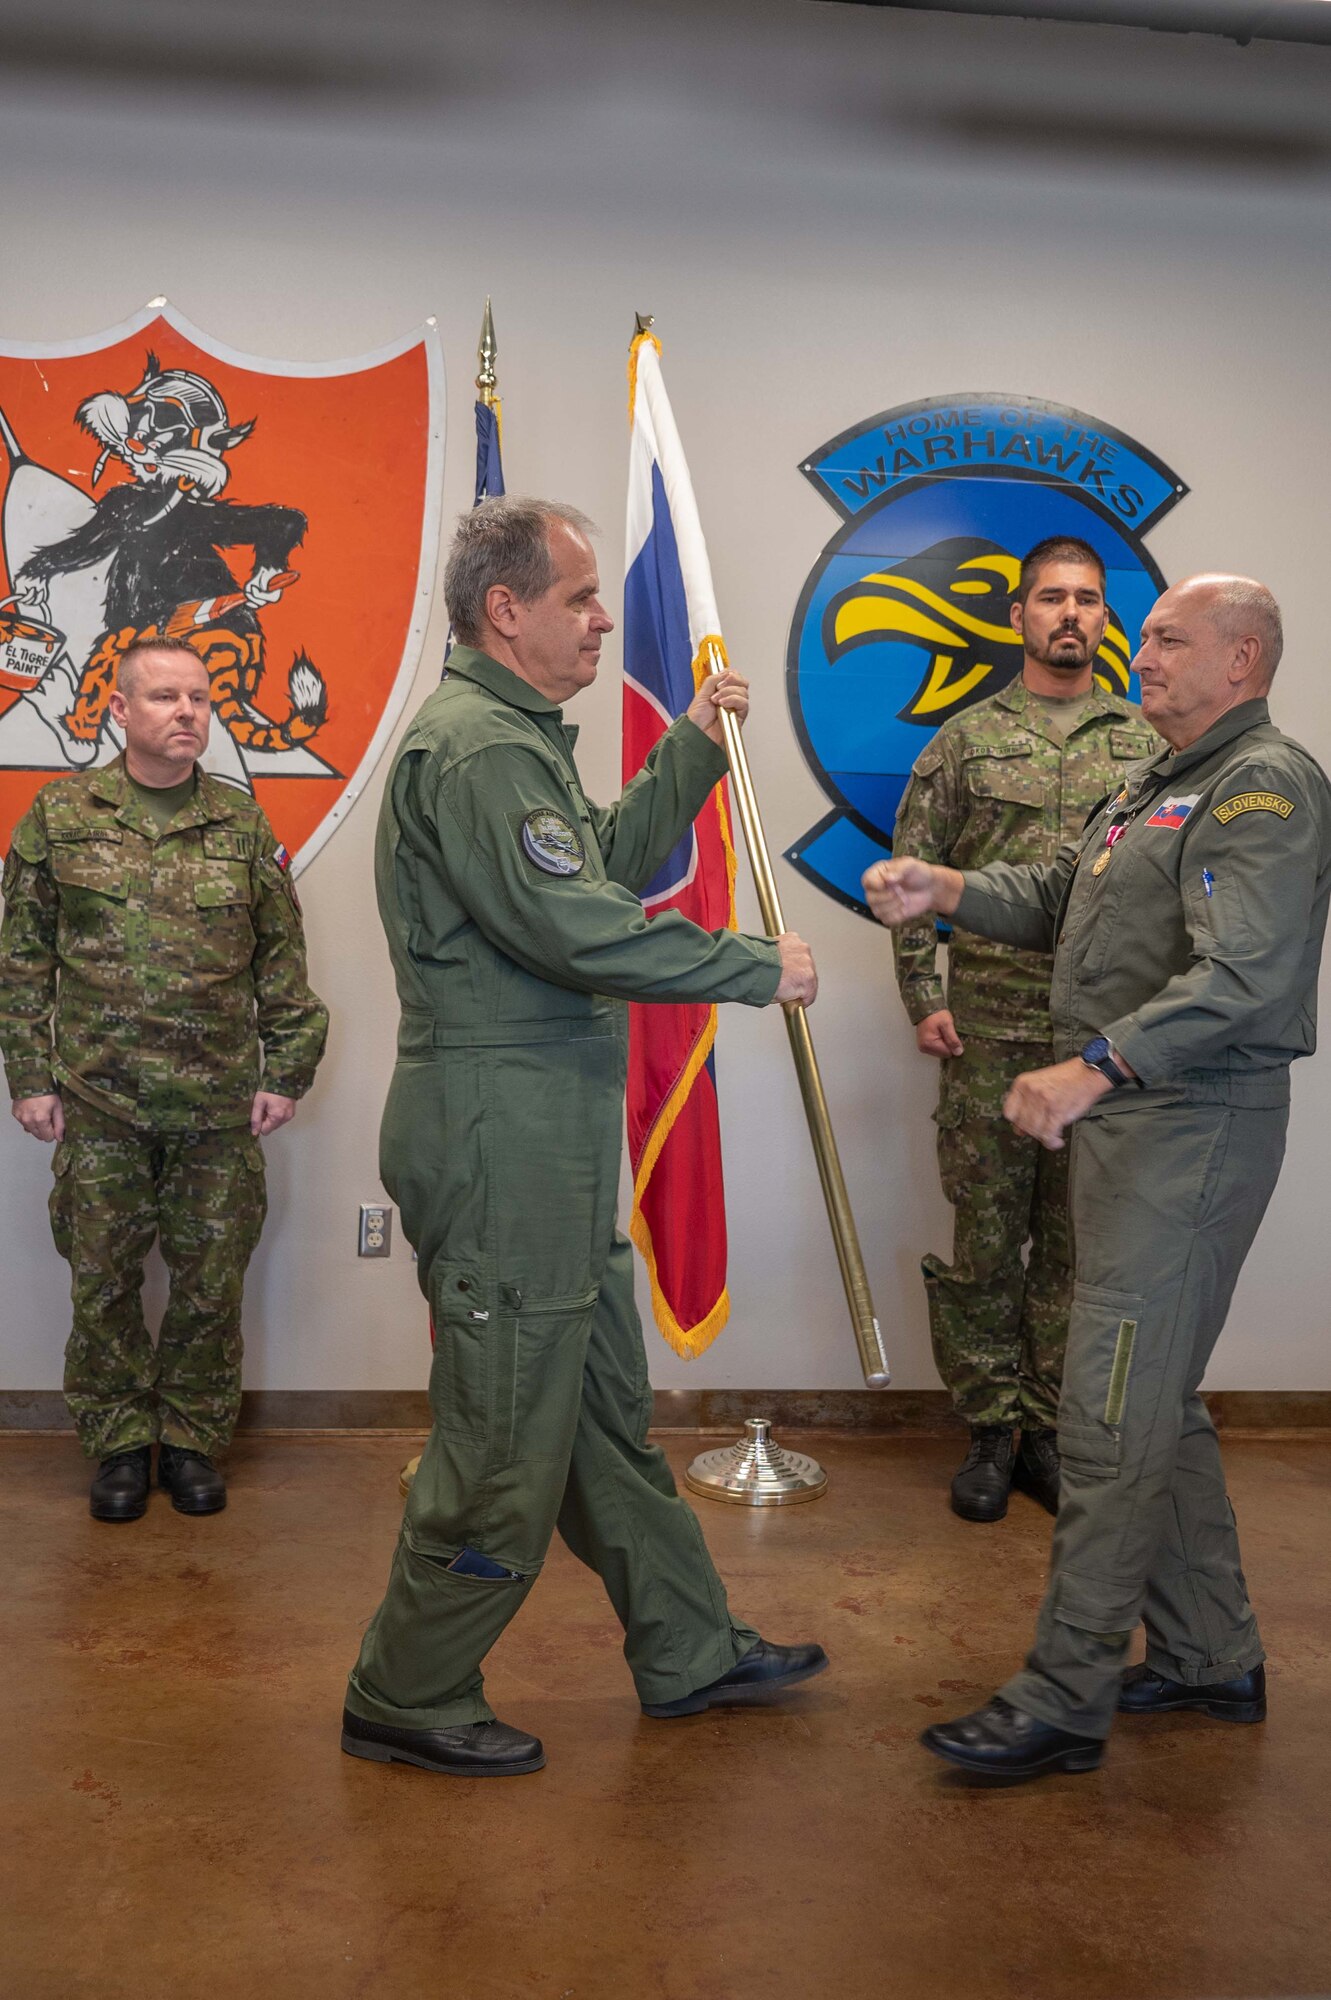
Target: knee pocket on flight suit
(507, 1368)
(1100, 1604)
(1103, 1332)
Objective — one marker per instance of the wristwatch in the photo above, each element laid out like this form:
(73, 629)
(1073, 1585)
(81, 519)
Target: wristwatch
(1099, 1054)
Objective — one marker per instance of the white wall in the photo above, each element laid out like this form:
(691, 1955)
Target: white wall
(830, 210)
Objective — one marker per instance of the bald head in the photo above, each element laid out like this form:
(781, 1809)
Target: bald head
(1208, 644)
(1241, 608)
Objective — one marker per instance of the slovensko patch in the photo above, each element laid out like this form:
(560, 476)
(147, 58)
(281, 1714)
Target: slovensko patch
(1174, 811)
(282, 858)
(552, 842)
(1253, 802)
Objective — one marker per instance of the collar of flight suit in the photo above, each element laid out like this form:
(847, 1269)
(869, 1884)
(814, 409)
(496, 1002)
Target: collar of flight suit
(500, 680)
(1018, 699)
(1233, 723)
(212, 800)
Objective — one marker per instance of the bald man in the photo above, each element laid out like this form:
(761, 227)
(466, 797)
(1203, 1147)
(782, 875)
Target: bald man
(1186, 924)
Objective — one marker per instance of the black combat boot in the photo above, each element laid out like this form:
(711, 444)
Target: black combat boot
(1001, 1742)
(980, 1489)
(1037, 1469)
(1145, 1692)
(193, 1481)
(466, 1750)
(120, 1485)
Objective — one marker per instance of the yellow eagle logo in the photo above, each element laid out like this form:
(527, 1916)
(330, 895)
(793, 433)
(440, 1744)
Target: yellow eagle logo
(953, 601)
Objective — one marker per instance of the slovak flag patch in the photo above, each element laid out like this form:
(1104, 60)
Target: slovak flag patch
(1174, 811)
(283, 859)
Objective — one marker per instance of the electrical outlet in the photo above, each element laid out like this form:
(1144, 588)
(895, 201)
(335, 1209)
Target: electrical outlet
(376, 1230)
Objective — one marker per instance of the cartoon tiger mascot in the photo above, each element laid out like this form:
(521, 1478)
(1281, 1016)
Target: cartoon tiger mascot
(164, 532)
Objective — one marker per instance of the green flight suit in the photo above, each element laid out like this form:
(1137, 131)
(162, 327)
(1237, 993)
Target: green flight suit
(516, 935)
(1001, 782)
(1187, 926)
(144, 972)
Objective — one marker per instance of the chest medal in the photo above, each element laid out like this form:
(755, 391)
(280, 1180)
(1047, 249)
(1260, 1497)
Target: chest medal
(552, 842)
(1102, 861)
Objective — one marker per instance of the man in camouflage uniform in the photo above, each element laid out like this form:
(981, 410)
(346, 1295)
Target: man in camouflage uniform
(1009, 779)
(152, 949)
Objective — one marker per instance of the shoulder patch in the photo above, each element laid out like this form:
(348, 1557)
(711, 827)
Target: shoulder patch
(1253, 802)
(552, 842)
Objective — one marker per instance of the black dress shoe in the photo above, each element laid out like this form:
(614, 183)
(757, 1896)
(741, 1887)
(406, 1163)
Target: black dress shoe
(119, 1490)
(1037, 1468)
(1144, 1692)
(764, 1673)
(193, 1481)
(980, 1488)
(1004, 1742)
(469, 1750)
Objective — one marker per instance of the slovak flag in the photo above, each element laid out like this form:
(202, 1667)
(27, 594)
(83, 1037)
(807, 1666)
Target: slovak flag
(1174, 811)
(674, 1134)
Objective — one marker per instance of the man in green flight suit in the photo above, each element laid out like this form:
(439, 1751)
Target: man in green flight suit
(1009, 779)
(156, 1022)
(1187, 925)
(516, 936)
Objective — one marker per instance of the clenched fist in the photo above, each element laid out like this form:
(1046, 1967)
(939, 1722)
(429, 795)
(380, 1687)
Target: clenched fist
(799, 976)
(902, 891)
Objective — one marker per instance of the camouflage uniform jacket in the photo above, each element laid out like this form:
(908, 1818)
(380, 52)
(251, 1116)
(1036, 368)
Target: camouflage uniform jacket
(142, 971)
(996, 784)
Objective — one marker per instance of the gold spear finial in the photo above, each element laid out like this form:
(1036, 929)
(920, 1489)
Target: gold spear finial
(643, 323)
(487, 381)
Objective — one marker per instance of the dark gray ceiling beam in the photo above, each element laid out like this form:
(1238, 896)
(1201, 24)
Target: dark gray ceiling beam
(1238, 20)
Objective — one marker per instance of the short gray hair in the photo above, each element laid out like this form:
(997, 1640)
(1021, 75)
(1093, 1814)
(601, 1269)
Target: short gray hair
(1245, 607)
(503, 541)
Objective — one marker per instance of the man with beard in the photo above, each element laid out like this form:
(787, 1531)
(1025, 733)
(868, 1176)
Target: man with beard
(1008, 779)
(156, 1023)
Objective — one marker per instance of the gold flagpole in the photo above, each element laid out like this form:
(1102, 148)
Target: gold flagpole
(868, 1333)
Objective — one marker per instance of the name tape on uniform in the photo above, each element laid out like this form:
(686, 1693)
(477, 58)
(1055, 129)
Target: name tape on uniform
(1253, 802)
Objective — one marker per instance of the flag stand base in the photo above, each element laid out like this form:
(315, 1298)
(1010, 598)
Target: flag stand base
(756, 1472)
(408, 1474)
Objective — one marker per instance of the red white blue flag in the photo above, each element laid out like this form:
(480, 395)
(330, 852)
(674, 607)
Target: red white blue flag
(674, 1133)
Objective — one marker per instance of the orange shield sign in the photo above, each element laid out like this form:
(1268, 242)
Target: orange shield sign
(283, 517)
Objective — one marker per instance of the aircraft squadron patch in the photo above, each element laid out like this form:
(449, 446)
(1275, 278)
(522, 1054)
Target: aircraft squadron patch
(552, 842)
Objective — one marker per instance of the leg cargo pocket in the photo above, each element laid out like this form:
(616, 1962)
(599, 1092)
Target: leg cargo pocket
(1103, 1332)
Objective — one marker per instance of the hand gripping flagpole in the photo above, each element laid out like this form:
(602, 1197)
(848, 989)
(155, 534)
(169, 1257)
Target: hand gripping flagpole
(868, 1333)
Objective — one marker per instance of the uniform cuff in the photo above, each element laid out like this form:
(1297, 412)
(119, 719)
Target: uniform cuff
(285, 1086)
(29, 1082)
(922, 1001)
(1135, 1047)
(700, 749)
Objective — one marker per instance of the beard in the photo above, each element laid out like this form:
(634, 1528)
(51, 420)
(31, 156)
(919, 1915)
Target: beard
(1064, 652)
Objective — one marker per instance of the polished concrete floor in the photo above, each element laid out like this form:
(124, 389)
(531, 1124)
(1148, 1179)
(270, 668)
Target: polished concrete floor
(176, 1819)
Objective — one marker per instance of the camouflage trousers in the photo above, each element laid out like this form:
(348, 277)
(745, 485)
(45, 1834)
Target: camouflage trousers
(116, 1188)
(999, 1323)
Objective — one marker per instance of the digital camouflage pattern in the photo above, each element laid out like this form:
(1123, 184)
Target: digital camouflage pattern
(999, 1325)
(998, 783)
(115, 1188)
(144, 972)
